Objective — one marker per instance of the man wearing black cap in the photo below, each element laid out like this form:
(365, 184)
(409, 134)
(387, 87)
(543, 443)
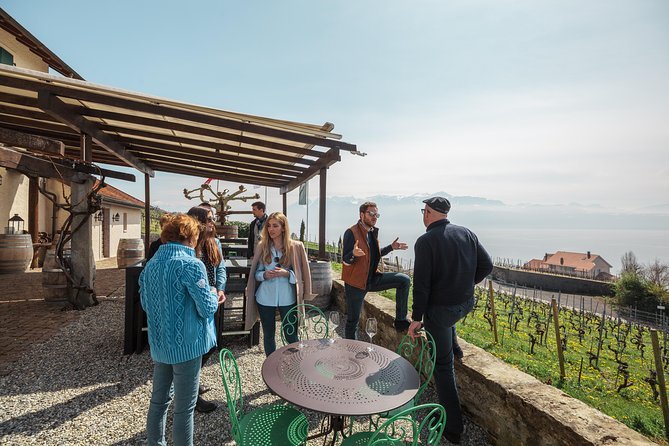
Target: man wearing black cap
(449, 262)
(361, 256)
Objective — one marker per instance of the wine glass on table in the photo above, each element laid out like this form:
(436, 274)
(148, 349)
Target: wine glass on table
(302, 332)
(371, 330)
(334, 322)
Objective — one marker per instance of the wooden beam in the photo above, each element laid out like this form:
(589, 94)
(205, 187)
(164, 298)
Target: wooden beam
(284, 203)
(331, 157)
(239, 152)
(216, 174)
(55, 168)
(31, 142)
(34, 167)
(178, 113)
(222, 168)
(188, 154)
(59, 110)
(230, 137)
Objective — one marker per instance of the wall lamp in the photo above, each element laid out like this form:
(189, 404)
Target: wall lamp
(99, 216)
(116, 217)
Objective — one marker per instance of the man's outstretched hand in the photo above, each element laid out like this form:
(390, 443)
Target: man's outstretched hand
(398, 245)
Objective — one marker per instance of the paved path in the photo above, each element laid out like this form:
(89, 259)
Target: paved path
(593, 304)
(26, 318)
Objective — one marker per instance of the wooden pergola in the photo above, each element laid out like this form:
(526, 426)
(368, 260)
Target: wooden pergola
(99, 124)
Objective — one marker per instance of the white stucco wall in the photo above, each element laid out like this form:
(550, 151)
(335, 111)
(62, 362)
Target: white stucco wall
(13, 197)
(116, 229)
(23, 57)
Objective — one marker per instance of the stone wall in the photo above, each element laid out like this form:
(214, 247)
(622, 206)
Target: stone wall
(552, 282)
(513, 407)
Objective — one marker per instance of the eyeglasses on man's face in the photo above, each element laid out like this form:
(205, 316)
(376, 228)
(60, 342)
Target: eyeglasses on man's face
(373, 214)
(422, 211)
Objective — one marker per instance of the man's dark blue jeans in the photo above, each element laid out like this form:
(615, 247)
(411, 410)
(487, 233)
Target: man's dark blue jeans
(355, 298)
(439, 321)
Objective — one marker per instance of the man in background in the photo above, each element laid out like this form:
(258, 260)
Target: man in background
(449, 262)
(361, 256)
(255, 228)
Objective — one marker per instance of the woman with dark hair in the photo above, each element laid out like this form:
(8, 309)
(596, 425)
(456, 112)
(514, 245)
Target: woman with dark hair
(208, 249)
(180, 306)
(280, 265)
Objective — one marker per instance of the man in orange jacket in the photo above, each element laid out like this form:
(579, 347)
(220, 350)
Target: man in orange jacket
(361, 257)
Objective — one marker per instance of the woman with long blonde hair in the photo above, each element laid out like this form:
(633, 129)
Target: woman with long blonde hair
(278, 280)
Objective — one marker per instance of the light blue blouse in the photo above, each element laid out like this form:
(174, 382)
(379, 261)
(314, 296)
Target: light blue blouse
(276, 292)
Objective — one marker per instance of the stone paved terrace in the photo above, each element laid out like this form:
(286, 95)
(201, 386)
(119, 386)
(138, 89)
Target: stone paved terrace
(66, 382)
(25, 318)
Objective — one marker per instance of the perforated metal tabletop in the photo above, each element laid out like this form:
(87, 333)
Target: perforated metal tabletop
(341, 378)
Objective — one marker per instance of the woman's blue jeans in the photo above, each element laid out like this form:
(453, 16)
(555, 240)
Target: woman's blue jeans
(178, 381)
(439, 321)
(268, 322)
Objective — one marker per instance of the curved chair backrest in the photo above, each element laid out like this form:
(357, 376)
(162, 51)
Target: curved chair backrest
(398, 429)
(421, 352)
(233, 390)
(311, 316)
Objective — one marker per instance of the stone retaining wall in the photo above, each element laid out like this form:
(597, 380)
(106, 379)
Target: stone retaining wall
(552, 282)
(512, 406)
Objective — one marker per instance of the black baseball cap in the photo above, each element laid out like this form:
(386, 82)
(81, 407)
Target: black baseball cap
(439, 204)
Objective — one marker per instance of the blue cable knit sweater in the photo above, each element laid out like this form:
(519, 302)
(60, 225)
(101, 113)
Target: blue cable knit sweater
(179, 305)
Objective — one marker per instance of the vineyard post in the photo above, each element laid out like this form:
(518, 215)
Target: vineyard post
(492, 311)
(660, 379)
(556, 323)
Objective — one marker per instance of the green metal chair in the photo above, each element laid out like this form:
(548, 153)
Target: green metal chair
(276, 425)
(405, 427)
(313, 318)
(421, 352)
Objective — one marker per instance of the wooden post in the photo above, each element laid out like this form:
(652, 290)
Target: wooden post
(83, 263)
(86, 147)
(284, 203)
(556, 323)
(492, 312)
(147, 214)
(321, 215)
(660, 379)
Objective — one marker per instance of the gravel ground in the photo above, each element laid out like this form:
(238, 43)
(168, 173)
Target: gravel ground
(78, 388)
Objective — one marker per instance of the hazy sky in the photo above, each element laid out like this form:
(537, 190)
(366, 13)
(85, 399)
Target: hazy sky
(521, 101)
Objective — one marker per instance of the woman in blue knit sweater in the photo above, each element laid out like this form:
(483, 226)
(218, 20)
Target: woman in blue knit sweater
(180, 305)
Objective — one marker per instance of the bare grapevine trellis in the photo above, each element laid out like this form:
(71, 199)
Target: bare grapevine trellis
(614, 355)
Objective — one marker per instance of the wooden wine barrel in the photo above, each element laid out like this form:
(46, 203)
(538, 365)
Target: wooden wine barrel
(54, 282)
(227, 231)
(321, 283)
(130, 252)
(16, 252)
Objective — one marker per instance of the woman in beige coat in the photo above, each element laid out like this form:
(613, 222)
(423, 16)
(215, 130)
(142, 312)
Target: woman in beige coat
(279, 279)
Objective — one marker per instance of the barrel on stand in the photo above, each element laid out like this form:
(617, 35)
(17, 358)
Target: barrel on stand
(227, 231)
(16, 252)
(55, 285)
(130, 252)
(321, 283)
